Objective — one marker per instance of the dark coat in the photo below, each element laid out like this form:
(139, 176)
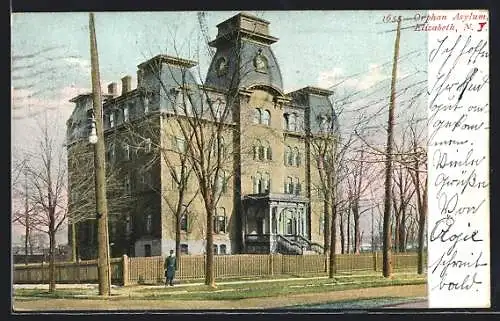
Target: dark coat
(169, 267)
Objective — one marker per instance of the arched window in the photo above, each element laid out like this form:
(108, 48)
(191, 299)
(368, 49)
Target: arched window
(323, 123)
(222, 249)
(256, 183)
(296, 155)
(288, 188)
(290, 156)
(256, 116)
(289, 226)
(266, 184)
(256, 148)
(266, 118)
(266, 149)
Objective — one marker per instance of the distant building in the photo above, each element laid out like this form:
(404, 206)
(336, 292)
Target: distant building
(269, 198)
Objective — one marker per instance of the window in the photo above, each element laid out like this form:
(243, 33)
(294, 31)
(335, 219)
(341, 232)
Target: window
(128, 224)
(127, 184)
(111, 153)
(222, 249)
(180, 145)
(261, 152)
(323, 123)
(221, 182)
(289, 226)
(266, 118)
(215, 249)
(125, 113)
(266, 151)
(184, 249)
(146, 180)
(111, 120)
(257, 182)
(256, 116)
(146, 104)
(296, 156)
(286, 122)
(147, 250)
(288, 188)
(74, 196)
(218, 109)
(220, 220)
(293, 122)
(184, 222)
(149, 223)
(256, 148)
(266, 185)
(147, 145)
(126, 151)
(298, 187)
(288, 156)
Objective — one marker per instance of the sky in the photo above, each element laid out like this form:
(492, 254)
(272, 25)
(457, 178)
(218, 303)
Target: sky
(347, 51)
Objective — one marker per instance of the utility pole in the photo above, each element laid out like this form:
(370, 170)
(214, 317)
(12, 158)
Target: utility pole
(26, 217)
(373, 230)
(387, 264)
(104, 268)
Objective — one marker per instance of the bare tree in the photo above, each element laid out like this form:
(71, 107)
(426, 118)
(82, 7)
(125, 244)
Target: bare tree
(81, 190)
(47, 175)
(417, 162)
(402, 195)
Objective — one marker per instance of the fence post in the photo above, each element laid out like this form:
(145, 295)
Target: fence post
(125, 277)
(271, 264)
(375, 261)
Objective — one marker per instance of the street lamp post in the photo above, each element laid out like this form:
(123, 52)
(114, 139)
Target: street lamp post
(96, 138)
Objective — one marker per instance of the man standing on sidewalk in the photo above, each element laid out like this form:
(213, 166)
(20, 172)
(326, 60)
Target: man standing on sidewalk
(169, 267)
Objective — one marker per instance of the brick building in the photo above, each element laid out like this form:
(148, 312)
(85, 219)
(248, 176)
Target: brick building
(268, 198)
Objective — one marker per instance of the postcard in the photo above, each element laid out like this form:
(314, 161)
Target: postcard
(259, 161)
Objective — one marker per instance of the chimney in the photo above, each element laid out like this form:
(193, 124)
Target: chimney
(139, 77)
(112, 89)
(126, 84)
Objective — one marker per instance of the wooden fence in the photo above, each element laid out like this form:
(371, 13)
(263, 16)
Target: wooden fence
(149, 270)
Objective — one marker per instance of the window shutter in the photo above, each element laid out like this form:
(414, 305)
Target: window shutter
(255, 152)
(269, 153)
(298, 159)
(261, 152)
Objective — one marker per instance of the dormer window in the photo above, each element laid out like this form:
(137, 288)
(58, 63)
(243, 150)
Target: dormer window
(260, 62)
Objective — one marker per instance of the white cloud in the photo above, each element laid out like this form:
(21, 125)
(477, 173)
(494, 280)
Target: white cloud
(337, 76)
(329, 78)
(80, 63)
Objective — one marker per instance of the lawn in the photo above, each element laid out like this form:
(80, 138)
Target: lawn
(230, 290)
